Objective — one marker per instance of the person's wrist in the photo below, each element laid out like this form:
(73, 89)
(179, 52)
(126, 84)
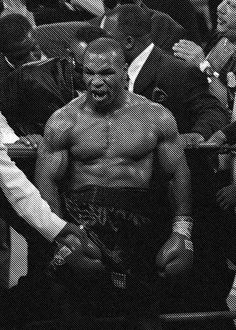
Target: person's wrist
(221, 135)
(206, 68)
(183, 224)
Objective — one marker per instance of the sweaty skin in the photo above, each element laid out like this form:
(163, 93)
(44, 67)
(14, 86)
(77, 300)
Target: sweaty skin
(110, 150)
(108, 136)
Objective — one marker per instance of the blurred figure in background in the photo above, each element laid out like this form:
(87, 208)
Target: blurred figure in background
(32, 92)
(17, 44)
(217, 60)
(182, 11)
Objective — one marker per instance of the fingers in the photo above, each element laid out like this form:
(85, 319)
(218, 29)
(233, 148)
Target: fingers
(31, 140)
(220, 198)
(226, 198)
(77, 231)
(182, 55)
(218, 137)
(28, 141)
(73, 241)
(184, 46)
(189, 139)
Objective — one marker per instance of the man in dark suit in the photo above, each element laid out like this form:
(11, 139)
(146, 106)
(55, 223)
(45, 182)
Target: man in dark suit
(17, 45)
(54, 38)
(184, 90)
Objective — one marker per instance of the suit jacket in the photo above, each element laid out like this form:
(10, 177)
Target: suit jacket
(188, 97)
(34, 91)
(5, 70)
(230, 132)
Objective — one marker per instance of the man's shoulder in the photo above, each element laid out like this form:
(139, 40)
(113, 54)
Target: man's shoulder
(171, 65)
(69, 110)
(163, 18)
(41, 65)
(151, 110)
(170, 59)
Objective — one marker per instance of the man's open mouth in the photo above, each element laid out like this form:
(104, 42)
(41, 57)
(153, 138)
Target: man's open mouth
(99, 95)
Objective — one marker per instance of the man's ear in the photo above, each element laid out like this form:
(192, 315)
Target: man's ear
(129, 42)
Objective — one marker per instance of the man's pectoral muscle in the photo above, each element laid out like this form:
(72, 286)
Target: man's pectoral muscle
(112, 152)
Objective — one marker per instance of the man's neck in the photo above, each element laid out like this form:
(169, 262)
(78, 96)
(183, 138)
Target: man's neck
(114, 107)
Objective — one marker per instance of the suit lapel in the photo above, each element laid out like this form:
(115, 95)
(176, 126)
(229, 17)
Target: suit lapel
(147, 75)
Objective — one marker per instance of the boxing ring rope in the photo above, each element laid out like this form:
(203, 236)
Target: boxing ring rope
(22, 151)
(198, 316)
(166, 318)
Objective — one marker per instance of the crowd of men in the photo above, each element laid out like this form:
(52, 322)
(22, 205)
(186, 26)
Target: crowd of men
(123, 219)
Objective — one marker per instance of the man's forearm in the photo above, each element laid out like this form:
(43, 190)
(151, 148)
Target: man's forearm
(208, 116)
(26, 199)
(230, 132)
(49, 192)
(217, 89)
(181, 190)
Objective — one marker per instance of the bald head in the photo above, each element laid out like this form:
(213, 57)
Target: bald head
(130, 20)
(107, 46)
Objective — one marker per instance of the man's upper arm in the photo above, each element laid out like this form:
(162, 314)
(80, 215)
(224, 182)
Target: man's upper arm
(52, 159)
(206, 114)
(52, 163)
(169, 148)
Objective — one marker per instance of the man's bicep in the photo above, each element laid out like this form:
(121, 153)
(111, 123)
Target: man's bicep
(50, 163)
(170, 154)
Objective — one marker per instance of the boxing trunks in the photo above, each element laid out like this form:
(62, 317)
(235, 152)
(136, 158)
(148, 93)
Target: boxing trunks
(120, 221)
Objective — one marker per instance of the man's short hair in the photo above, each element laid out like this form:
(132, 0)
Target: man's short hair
(14, 29)
(111, 4)
(103, 45)
(88, 33)
(1, 6)
(132, 20)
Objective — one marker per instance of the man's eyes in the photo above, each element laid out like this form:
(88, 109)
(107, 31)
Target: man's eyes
(102, 73)
(86, 71)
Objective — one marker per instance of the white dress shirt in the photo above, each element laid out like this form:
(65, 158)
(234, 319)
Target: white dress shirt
(7, 133)
(103, 22)
(26, 199)
(137, 64)
(95, 7)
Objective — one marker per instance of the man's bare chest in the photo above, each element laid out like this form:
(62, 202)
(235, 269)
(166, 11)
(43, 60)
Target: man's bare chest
(112, 137)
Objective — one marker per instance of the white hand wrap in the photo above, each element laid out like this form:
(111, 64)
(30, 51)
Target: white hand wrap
(183, 225)
(26, 199)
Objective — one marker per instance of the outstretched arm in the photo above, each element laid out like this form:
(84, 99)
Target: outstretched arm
(26, 199)
(78, 251)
